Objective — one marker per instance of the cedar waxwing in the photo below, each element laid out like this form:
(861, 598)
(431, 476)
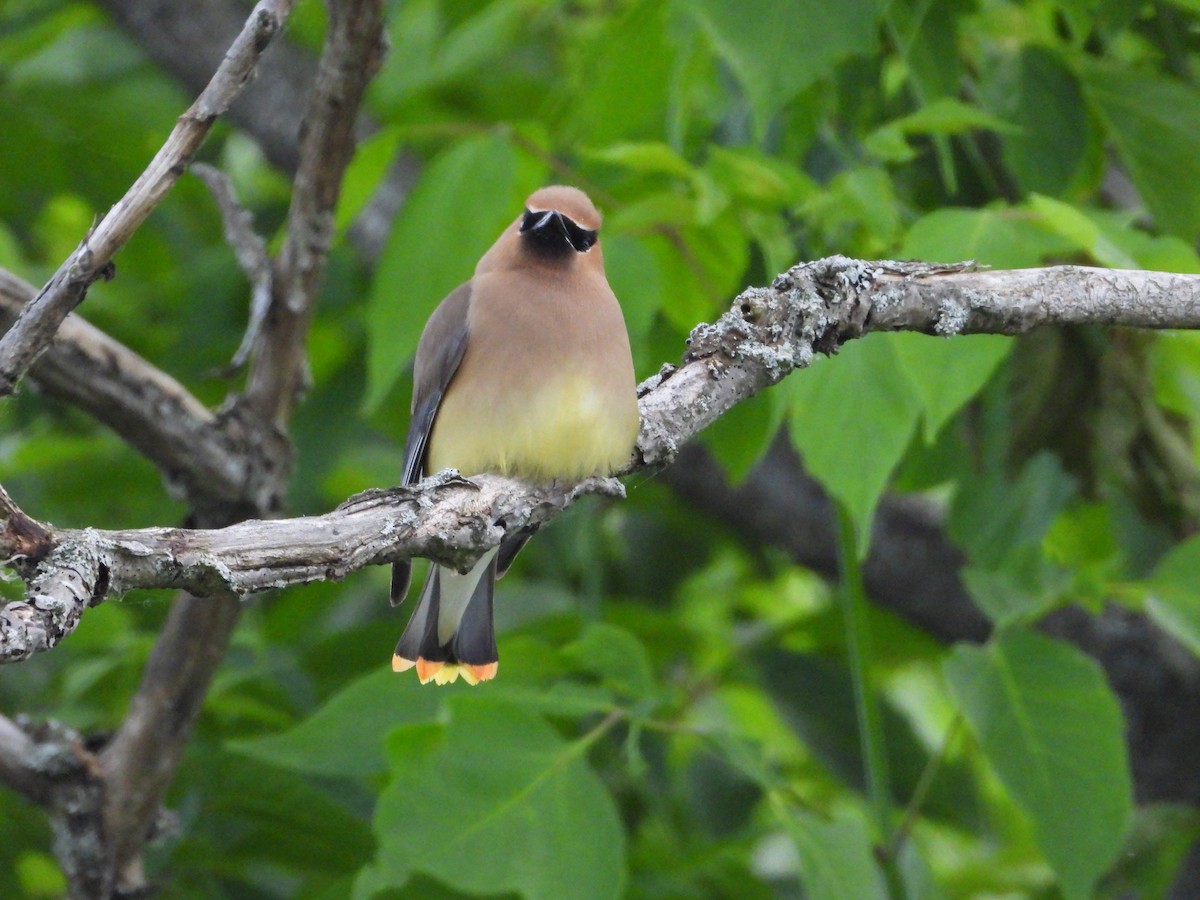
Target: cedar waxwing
(524, 370)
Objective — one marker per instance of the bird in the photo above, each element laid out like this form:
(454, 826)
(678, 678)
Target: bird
(525, 371)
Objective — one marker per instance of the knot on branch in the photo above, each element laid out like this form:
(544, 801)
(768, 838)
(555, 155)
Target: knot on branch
(23, 540)
(266, 457)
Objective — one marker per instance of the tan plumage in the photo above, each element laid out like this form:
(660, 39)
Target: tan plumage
(524, 370)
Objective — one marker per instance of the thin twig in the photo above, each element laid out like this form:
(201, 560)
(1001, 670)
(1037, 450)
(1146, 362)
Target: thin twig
(92, 259)
(353, 52)
(250, 250)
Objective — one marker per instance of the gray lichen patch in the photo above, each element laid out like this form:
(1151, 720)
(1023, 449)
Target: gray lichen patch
(952, 318)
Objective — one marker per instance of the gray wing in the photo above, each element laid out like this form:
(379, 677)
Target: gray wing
(439, 353)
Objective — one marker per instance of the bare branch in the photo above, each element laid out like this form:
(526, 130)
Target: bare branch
(818, 306)
(51, 765)
(16, 751)
(71, 578)
(140, 760)
(250, 250)
(1013, 301)
(444, 518)
(142, 757)
(214, 461)
(768, 332)
(188, 40)
(354, 47)
(92, 259)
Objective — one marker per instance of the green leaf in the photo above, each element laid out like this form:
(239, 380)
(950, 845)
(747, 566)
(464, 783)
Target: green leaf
(943, 116)
(858, 210)
(1165, 253)
(614, 655)
(634, 276)
(999, 518)
(11, 257)
(257, 812)
(458, 208)
(997, 236)
(836, 858)
(1002, 598)
(703, 266)
(372, 160)
(1052, 729)
(1173, 593)
(624, 90)
(1159, 842)
(947, 372)
(643, 156)
(496, 801)
(345, 737)
(740, 437)
(757, 39)
(1079, 228)
(758, 179)
(851, 419)
(1034, 90)
(1154, 123)
(426, 53)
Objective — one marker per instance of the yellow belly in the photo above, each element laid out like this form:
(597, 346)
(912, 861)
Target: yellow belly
(568, 429)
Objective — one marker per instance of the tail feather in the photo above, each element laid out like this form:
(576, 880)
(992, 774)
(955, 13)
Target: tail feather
(401, 579)
(469, 648)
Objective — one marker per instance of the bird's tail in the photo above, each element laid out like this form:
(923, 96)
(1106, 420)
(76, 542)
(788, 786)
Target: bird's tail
(451, 633)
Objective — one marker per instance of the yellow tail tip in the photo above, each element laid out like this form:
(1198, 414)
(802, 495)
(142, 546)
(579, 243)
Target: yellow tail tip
(427, 670)
(445, 673)
(476, 674)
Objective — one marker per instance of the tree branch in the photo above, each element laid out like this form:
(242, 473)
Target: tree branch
(189, 40)
(16, 751)
(251, 252)
(767, 332)
(141, 759)
(92, 259)
(981, 301)
(216, 462)
(354, 48)
(444, 518)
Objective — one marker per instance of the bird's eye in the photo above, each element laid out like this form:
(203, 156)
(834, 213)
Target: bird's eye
(582, 239)
(532, 220)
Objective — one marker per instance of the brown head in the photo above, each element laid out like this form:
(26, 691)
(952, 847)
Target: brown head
(558, 226)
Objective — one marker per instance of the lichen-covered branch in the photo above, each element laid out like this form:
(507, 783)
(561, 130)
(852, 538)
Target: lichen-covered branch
(140, 760)
(767, 333)
(214, 461)
(92, 259)
(445, 518)
(968, 300)
(816, 307)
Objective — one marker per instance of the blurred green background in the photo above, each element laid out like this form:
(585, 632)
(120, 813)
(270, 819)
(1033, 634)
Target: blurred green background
(675, 714)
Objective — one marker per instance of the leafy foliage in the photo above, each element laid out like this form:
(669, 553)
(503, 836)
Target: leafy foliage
(674, 715)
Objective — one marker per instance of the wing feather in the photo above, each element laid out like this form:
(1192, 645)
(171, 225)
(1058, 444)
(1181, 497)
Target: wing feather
(439, 353)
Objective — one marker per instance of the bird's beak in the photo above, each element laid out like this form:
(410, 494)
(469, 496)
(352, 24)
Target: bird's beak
(540, 221)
